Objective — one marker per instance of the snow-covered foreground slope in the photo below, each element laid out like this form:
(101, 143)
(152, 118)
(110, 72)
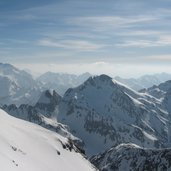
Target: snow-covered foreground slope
(130, 157)
(28, 147)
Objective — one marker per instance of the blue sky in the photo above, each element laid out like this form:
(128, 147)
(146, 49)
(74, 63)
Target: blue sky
(117, 37)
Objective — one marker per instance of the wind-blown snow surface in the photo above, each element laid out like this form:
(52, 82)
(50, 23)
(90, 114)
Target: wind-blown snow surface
(28, 147)
(130, 157)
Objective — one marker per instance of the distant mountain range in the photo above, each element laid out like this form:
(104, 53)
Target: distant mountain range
(144, 81)
(18, 87)
(60, 81)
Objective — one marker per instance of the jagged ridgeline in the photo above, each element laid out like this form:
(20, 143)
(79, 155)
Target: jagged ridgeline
(130, 157)
(103, 113)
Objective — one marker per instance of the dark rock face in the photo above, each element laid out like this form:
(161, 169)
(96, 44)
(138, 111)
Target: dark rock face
(24, 111)
(48, 102)
(38, 113)
(45, 106)
(130, 157)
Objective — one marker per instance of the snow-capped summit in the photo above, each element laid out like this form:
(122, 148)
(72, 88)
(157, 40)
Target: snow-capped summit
(20, 77)
(103, 112)
(17, 86)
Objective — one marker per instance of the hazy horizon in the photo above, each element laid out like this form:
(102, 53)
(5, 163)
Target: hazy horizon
(30, 69)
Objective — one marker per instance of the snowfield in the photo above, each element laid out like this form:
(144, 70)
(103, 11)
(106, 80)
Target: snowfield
(25, 146)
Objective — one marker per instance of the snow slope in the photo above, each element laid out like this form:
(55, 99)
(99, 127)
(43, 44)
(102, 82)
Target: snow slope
(29, 147)
(130, 157)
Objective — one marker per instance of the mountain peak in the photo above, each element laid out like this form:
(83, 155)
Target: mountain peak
(47, 96)
(101, 79)
(5, 65)
(104, 77)
(48, 101)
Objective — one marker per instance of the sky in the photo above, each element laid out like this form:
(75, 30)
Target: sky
(117, 37)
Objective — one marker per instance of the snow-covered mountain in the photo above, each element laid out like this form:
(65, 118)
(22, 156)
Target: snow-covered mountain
(158, 91)
(162, 92)
(29, 147)
(20, 77)
(144, 81)
(103, 112)
(61, 81)
(129, 157)
(41, 113)
(17, 86)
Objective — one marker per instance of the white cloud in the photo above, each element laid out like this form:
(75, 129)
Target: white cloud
(78, 45)
(141, 33)
(106, 22)
(160, 58)
(159, 42)
(24, 17)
